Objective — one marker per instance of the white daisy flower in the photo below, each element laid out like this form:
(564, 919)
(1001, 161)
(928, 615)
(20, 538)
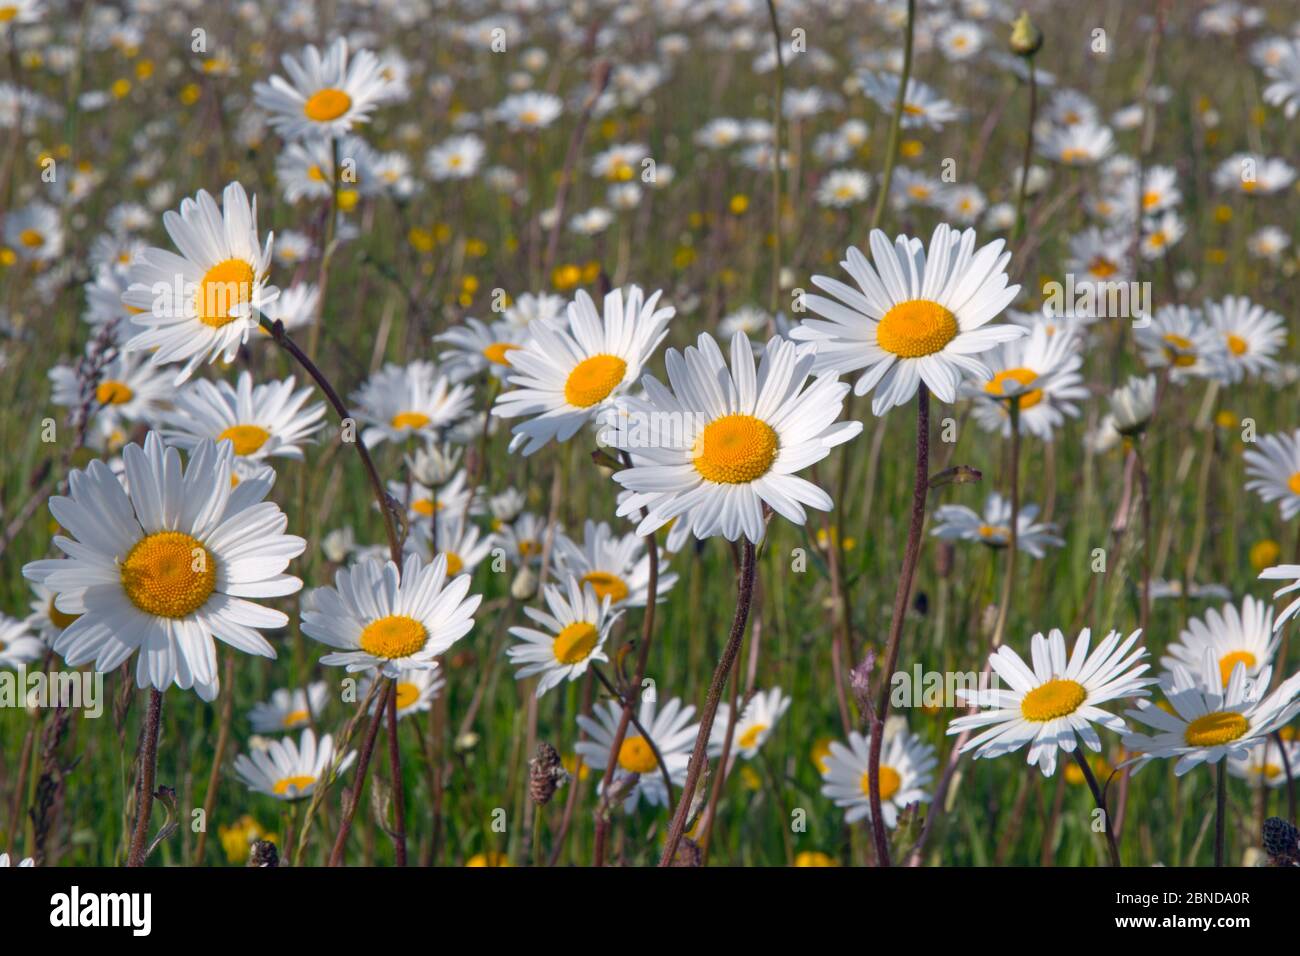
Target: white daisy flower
(722, 443)
(912, 187)
(753, 727)
(289, 709)
(260, 421)
(572, 637)
(1046, 707)
(458, 157)
(1253, 175)
(167, 566)
(1208, 720)
(1273, 465)
(960, 41)
(290, 770)
(671, 733)
(1098, 257)
(1161, 234)
(402, 401)
(1234, 637)
(390, 621)
(1043, 370)
(475, 346)
(616, 568)
(1082, 144)
(1178, 337)
(905, 768)
(843, 188)
(1268, 242)
(305, 170)
(34, 232)
(529, 111)
(1251, 333)
(539, 307)
(204, 302)
(46, 620)
(524, 539)
(1133, 404)
(14, 13)
(922, 106)
(458, 540)
(993, 528)
(564, 376)
(416, 691)
(17, 646)
(130, 389)
(296, 306)
(916, 316)
(1283, 572)
(1265, 764)
(325, 96)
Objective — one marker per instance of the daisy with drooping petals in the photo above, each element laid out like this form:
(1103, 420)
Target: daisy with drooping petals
(46, 620)
(1252, 335)
(572, 638)
(476, 347)
(917, 315)
(289, 709)
(993, 528)
(1274, 468)
(290, 770)
(1133, 404)
(1234, 637)
(1207, 720)
(204, 302)
(612, 566)
(388, 620)
(325, 96)
(260, 421)
(905, 766)
(753, 727)
(17, 646)
(729, 441)
(671, 733)
(1042, 371)
(565, 375)
(167, 566)
(402, 401)
(1048, 705)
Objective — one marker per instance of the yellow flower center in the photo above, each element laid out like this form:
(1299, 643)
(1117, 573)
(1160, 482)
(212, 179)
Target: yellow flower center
(60, 619)
(168, 574)
(1294, 483)
(750, 737)
(8, 13)
(1074, 154)
(1056, 698)
(606, 585)
(426, 506)
(915, 328)
(454, 563)
(412, 420)
(1102, 268)
(529, 547)
(890, 781)
(735, 449)
(911, 109)
(529, 117)
(293, 785)
(1022, 376)
(1150, 199)
(995, 534)
(593, 379)
(1221, 727)
(407, 694)
(31, 238)
(1237, 345)
(496, 352)
(327, 104)
(294, 718)
(225, 286)
(113, 393)
(1228, 662)
(394, 636)
(574, 643)
(246, 438)
(1180, 350)
(636, 756)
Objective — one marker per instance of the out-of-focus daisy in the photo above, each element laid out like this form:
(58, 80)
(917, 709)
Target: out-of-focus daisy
(540, 307)
(474, 346)
(1048, 705)
(290, 770)
(572, 637)
(737, 438)
(613, 567)
(1082, 144)
(289, 709)
(325, 95)
(1268, 242)
(754, 725)
(46, 620)
(1284, 572)
(19, 12)
(565, 375)
(129, 390)
(1043, 371)
(1098, 257)
(1208, 721)
(1235, 637)
(671, 732)
(1179, 338)
(960, 41)
(457, 157)
(17, 645)
(204, 302)
(1265, 764)
(402, 401)
(416, 691)
(167, 566)
(457, 539)
(1253, 175)
(993, 528)
(34, 232)
(296, 306)
(905, 768)
(843, 188)
(306, 170)
(526, 112)
(260, 421)
(922, 106)
(389, 621)
(1251, 334)
(524, 539)
(1274, 468)
(1133, 404)
(916, 315)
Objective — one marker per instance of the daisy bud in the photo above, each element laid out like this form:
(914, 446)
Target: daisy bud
(524, 586)
(1026, 39)
(545, 774)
